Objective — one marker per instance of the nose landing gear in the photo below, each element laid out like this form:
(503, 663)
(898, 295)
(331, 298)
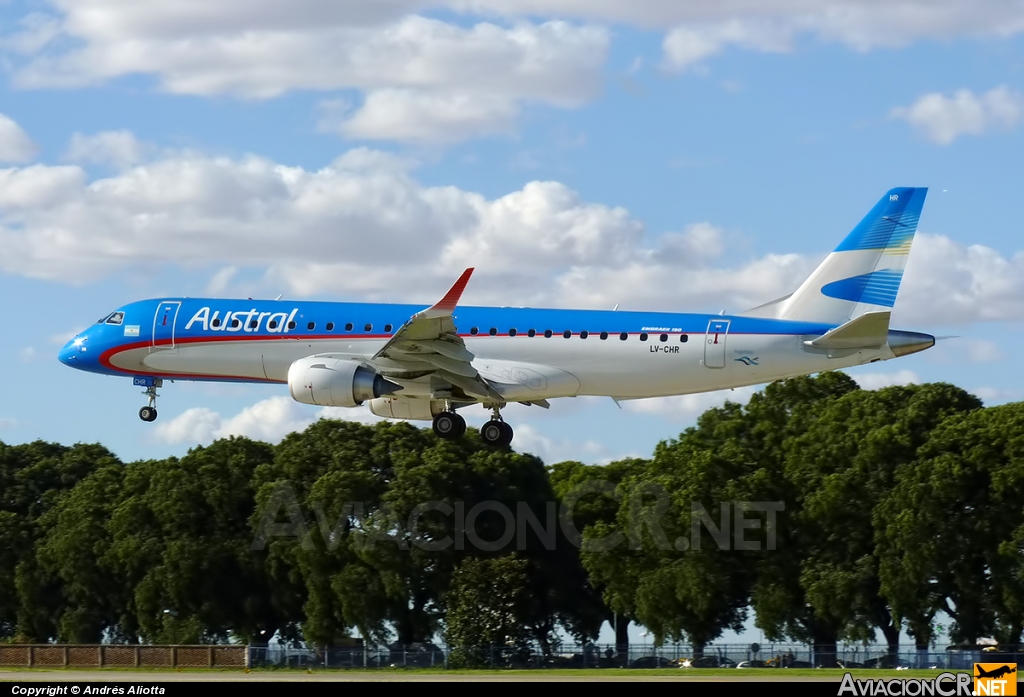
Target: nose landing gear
(151, 384)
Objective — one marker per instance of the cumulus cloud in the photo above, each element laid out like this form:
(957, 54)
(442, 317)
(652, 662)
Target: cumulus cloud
(687, 45)
(996, 395)
(876, 381)
(367, 211)
(15, 145)
(268, 420)
(950, 283)
(423, 117)
(425, 80)
(689, 406)
(944, 118)
(117, 148)
(529, 439)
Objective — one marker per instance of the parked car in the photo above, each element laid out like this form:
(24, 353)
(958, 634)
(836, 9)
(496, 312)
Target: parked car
(651, 662)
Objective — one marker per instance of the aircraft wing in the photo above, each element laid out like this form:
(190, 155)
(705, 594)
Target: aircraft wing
(428, 343)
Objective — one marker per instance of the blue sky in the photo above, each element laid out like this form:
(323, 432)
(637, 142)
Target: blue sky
(671, 156)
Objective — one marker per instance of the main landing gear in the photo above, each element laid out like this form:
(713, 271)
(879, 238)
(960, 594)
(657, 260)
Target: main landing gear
(496, 432)
(449, 425)
(149, 413)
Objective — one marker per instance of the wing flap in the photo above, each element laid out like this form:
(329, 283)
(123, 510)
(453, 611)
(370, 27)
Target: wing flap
(429, 338)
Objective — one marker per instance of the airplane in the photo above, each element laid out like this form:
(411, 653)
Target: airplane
(995, 672)
(410, 362)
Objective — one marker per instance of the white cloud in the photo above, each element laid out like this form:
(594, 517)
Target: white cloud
(459, 81)
(996, 395)
(876, 381)
(984, 351)
(688, 45)
(118, 148)
(268, 420)
(943, 118)
(422, 117)
(6, 423)
(948, 283)
(196, 425)
(529, 440)
(220, 281)
(27, 354)
(689, 406)
(367, 212)
(15, 145)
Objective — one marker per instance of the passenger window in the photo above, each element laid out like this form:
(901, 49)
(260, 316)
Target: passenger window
(604, 335)
(683, 338)
(584, 334)
(348, 326)
(532, 332)
(253, 323)
(291, 325)
(474, 331)
(494, 331)
(547, 333)
(235, 323)
(663, 337)
(330, 326)
(567, 333)
(623, 336)
(368, 327)
(643, 337)
(311, 325)
(387, 328)
(216, 323)
(512, 332)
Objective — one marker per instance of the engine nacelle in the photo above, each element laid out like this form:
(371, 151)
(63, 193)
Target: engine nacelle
(335, 382)
(413, 409)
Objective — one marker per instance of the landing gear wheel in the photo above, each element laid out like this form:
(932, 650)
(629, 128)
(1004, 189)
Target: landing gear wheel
(496, 433)
(449, 425)
(147, 414)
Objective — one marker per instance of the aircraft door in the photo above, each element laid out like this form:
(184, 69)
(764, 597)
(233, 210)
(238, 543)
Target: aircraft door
(714, 343)
(163, 324)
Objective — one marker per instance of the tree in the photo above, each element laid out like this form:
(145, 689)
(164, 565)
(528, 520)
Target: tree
(181, 538)
(587, 498)
(954, 517)
(843, 467)
(33, 478)
(487, 612)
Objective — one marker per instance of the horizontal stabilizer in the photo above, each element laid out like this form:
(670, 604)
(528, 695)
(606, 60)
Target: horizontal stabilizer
(869, 330)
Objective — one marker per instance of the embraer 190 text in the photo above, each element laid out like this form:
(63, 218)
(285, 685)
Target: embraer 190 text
(407, 362)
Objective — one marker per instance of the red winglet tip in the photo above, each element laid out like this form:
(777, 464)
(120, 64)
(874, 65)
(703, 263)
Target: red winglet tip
(451, 298)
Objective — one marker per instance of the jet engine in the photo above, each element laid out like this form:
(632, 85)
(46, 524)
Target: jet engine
(414, 409)
(335, 382)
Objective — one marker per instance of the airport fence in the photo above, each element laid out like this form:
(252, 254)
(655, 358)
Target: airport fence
(636, 656)
(122, 656)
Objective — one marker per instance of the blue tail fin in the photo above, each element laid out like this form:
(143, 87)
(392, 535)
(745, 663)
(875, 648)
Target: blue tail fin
(863, 274)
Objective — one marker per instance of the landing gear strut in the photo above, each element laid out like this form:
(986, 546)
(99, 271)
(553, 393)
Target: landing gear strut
(149, 413)
(496, 432)
(449, 425)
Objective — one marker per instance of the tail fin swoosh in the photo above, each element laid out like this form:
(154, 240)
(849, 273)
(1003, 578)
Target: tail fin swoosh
(863, 273)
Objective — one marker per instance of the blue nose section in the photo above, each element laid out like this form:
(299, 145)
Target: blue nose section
(73, 353)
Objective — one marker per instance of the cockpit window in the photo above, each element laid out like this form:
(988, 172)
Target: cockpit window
(114, 318)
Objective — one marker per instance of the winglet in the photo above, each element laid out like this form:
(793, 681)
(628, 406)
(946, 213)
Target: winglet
(446, 305)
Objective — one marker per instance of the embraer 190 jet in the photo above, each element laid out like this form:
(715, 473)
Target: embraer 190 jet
(407, 362)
